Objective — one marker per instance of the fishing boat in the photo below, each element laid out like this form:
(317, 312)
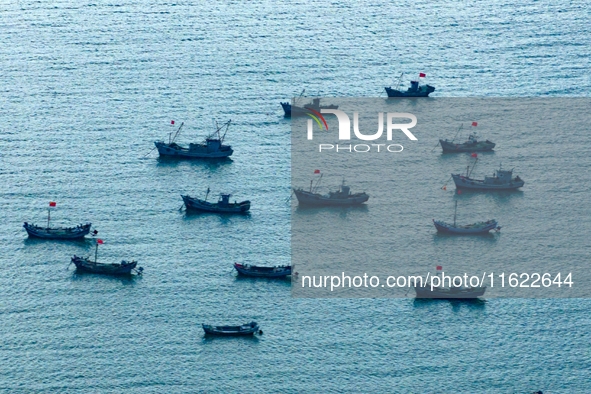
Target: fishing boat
(263, 272)
(63, 233)
(222, 206)
(295, 110)
(85, 264)
(451, 292)
(211, 148)
(415, 89)
(243, 330)
(468, 229)
(501, 180)
(341, 197)
(471, 145)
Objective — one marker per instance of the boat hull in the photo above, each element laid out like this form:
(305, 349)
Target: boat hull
(417, 93)
(62, 233)
(449, 147)
(293, 110)
(313, 199)
(231, 331)
(449, 293)
(443, 227)
(173, 150)
(85, 265)
(463, 182)
(263, 272)
(204, 206)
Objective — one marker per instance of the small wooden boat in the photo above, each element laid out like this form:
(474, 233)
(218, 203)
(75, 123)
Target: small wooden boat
(124, 268)
(244, 330)
(415, 90)
(64, 233)
(211, 148)
(222, 206)
(263, 272)
(468, 229)
(58, 232)
(84, 264)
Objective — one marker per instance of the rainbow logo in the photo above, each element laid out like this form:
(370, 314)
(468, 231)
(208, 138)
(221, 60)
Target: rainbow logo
(317, 117)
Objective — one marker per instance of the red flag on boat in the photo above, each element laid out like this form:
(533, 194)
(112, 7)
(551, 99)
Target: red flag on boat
(172, 122)
(316, 171)
(52, 204)
(439, 268)
(474, 123)
(99, 241)
(422, 75)
(459, 191)
(474, 155)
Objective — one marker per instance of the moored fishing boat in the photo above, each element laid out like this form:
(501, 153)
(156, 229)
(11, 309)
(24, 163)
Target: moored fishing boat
(341, 197)
(211, 148)
(61, 233)
(451, 292)
(263, 272)
(468, 229)
(501, 180)
(222, 206)
(243, 330)
(471, 145)
(85, 264)
(415, 89)
(290, 110)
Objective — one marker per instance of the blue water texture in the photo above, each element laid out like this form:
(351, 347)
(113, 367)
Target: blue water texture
(87, 86)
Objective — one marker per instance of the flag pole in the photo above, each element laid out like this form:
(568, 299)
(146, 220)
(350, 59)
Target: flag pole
(48, 216)
(96, 253)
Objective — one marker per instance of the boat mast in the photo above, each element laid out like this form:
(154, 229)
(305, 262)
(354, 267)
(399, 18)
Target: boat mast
(459, 129)
(318, 182)
(399, 81)
(207, 194)
(455, 213)
(469, 173)
(175, 134)
(227, 124)
(96, 253)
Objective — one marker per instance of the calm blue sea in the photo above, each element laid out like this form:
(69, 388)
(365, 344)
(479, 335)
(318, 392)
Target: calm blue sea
(86, 87)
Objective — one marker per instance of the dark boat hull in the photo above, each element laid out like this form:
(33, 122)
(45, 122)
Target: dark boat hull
(463, 182)
(416, 93)
(293, 110)
(85, 265)
(443, 227)
(231, 331)
(313, 199)
(174, 150)
(451, 294)
(448, 147)
(61, 233)
(263, 272)
(204, 206)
